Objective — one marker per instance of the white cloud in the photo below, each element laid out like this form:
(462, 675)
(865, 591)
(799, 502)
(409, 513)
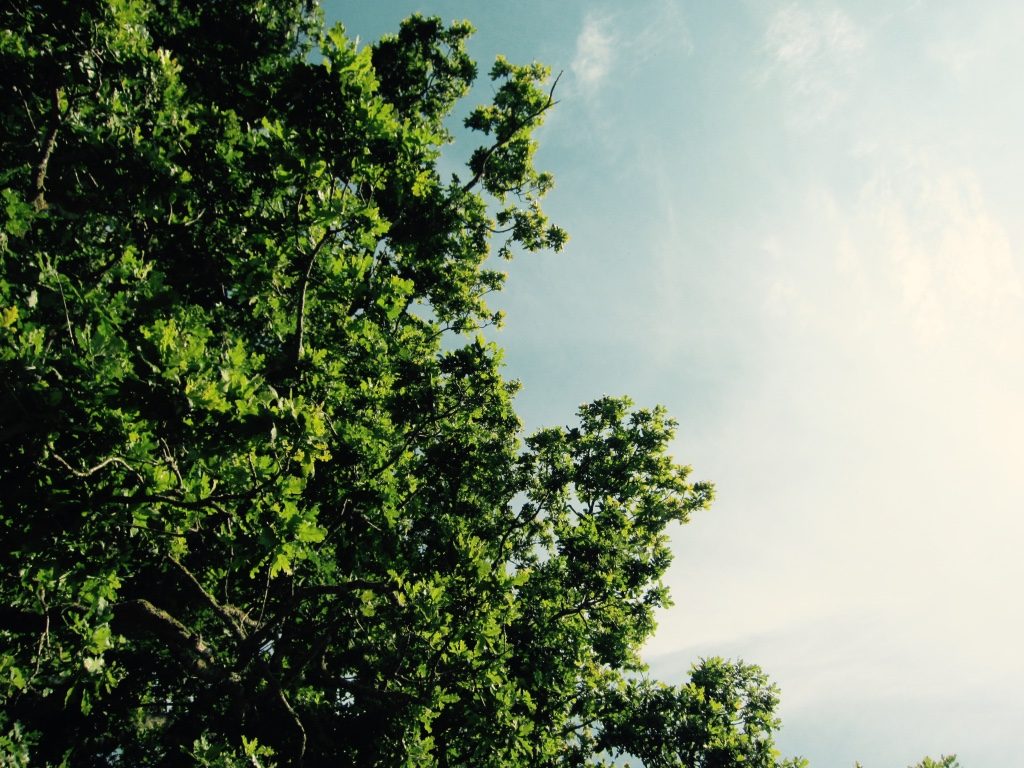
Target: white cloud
(666, 30)
(813, 53)
(837, 319)
(968, 46)
(949, 256)
(594, 53)
(661, 31)
(863, 548)
(917, 252)
(798, 37)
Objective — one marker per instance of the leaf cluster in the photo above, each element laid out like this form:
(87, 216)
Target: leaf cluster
(264, 492)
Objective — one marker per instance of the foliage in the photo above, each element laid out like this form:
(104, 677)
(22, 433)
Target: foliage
(264, 493)
(946, 761)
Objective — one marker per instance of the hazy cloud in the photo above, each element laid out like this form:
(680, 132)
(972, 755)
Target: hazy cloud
(798, 37)
(948, 255)
(666, 30)
(812, 53)
(918, 250)
(662, 30)
(594, 52)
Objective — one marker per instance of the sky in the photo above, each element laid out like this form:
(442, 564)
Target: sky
(797, 226)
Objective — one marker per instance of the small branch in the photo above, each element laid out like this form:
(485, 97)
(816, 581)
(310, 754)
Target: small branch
(229, 615)
(67, 316)
(169, 455)
(300, 324)
(28, 112)
(212, 502)
(190, 648)
(296, 720)
(97, 468)
(44, 639)
(339, 589)
(517, 126)
(155, 532)
(527, 515)
(39, 203)
(571, 729)
(579, 610)
(263, 604)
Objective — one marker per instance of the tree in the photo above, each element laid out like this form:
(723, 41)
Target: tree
(946, 761)
(264, 492)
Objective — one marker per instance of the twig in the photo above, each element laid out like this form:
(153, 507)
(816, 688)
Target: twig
(28, 112)
(517, 126)
(263, 605)
(231, 616)
(195, 653)
(67, 316)
(173, 462)
(345, 588)
(300, 324)
(44, 640)
(97, 468)
(295, 719)
(39, 203)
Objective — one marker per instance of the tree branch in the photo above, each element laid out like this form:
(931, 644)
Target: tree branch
(339, 589)
(233, 618)
(189, 647)
(300, 323)
(517, 126)
(296, 720)
(39, 203)
(98, 467)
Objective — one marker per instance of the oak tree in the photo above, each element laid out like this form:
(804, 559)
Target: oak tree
(265, 496)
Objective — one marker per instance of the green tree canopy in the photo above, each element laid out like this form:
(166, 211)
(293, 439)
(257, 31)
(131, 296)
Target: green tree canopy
(264, 494)
(946, 761)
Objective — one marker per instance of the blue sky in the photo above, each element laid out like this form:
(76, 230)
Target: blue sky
(797, 225)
